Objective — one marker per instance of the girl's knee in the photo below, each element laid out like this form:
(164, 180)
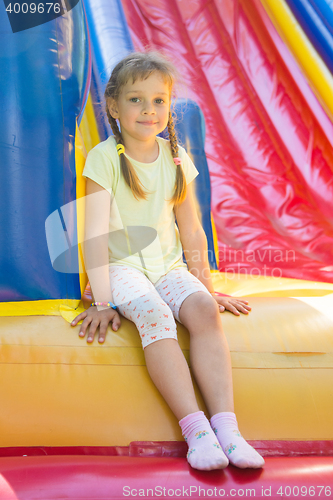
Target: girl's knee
(156, 325)
(152, 317)
(199, 308)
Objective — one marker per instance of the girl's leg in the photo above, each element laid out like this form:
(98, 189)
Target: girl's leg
(166, 363)
(210, 362)
(169, 371)
(209, 351)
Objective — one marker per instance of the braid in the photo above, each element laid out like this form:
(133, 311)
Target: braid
(114, 127)
(172, 136)
(129, 173)
(180, 184)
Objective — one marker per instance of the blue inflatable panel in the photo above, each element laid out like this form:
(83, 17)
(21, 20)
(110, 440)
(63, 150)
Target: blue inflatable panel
(110, 42)
(324, 9)
(43, 86)
(318, 31)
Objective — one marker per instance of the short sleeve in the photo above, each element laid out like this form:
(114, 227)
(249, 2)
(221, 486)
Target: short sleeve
(99, 167)
(189, 169)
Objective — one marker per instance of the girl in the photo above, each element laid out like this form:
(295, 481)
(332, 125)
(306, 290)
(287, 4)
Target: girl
(134, 260)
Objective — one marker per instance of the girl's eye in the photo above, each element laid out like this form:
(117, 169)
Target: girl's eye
(159, 101)
(134, 99)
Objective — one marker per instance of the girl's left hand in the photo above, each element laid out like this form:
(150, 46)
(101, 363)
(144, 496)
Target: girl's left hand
(232, 304)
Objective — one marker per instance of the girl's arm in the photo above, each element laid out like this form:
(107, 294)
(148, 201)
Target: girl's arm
(96, 236)
(193, 239)
(194, 243)
(96, 258)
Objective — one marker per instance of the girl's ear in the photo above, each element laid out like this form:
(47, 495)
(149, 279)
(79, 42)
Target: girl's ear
(113, 108)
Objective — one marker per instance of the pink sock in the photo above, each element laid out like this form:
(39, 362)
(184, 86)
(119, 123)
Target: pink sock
(204, 452)
(238, 451)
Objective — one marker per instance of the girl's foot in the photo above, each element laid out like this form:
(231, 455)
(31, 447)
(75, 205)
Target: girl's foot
(204, 452)
(238, 451)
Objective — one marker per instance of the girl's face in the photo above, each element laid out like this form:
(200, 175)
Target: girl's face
(142, 108)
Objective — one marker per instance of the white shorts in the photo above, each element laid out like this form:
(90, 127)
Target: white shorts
(153, 308)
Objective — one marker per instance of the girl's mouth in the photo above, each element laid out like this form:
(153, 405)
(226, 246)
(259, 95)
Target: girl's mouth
(147, 123)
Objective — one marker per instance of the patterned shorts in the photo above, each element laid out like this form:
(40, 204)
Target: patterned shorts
(153, 308)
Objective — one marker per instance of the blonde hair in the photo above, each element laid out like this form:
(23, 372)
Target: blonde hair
(140, 65)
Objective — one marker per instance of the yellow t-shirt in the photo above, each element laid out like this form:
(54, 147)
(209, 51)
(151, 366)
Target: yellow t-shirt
(143, 233)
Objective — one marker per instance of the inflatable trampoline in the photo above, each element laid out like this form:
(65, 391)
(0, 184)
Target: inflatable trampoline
(82, 421)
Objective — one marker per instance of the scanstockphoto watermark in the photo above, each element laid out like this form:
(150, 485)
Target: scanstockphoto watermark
(248, 264)
(25, 14)
(232, 273)
(187, 491)
(276, 491)
(72, 251)
(267, 255)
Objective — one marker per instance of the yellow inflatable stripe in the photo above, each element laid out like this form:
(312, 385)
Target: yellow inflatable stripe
(215, 239)
(317, 73)
(86, 138)
(237, 285)
(80, 158)
(88, 126)
(38, 307)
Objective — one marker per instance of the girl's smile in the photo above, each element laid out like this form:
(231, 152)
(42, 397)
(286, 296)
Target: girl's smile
(148, 123)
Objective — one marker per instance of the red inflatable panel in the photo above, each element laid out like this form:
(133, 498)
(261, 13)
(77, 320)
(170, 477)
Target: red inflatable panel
(270, 161)
(99, 478)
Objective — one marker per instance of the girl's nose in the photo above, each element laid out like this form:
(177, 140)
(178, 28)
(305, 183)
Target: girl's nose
(149, 108)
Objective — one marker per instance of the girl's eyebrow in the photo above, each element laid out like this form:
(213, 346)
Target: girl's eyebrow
(140, 92)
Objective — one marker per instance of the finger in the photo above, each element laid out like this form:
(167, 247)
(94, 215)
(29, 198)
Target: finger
(92, 330)
(78, 318)
(243, 310)
(232, 309)
(222, 308)
(116, 323)
(240, 308)
(102, 332)
(103, 327)
(84, 326)
(243, 307)
(244, 304)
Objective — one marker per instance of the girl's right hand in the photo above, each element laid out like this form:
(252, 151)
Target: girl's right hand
(96, 319)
